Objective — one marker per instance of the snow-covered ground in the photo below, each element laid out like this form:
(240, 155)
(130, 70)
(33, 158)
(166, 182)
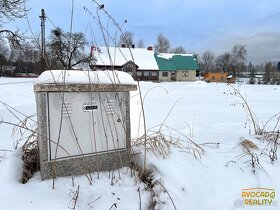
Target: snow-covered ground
(204, 112)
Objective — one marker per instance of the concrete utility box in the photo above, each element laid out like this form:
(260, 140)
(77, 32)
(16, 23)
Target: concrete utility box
(83, 121)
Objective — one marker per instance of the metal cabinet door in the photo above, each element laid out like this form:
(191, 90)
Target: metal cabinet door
(83, 123)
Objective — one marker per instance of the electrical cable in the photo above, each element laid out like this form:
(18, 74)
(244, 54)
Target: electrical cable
(72, 14)
(51, 21)
(29, 26)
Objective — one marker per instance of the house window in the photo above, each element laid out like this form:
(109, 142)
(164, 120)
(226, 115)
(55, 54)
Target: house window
(146, 73)
(213, 77)
(185, 74)
(164, 74)
(139, 73)
(222, 78)
(154, 74)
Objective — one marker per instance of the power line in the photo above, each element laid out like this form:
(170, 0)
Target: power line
(29, 26)
(71, 28)
(72, 14)
(101, 7)
(50, 21)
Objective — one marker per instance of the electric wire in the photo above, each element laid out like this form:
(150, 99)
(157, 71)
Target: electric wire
(29, 26)
(51, 21)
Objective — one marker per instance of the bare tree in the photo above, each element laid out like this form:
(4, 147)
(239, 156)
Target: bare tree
(267, 73)
(208, 61)
(15, 53)
(4, 50)
(140, 43)
(270, 73)
(162, 45)
(3, 59)
(178, 50)
(239, 57)
(30, 53)
(26, 59)
(251, 70)
(9, 11)
(127, 39)
(275, 75)
(224, 61)
(67, 48)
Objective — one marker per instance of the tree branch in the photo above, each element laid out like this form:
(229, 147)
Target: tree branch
(13, 37)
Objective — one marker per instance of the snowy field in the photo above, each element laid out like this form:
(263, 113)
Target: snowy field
(204, 112)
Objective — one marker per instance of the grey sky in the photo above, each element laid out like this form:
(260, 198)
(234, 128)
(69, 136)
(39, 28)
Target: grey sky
(197, 25)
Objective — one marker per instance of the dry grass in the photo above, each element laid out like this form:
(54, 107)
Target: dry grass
(271, 148)
(25, 134)
(160, 142)
(248, 146)
(262, 132)
(241, 99)
(30, 157)
(250, 154)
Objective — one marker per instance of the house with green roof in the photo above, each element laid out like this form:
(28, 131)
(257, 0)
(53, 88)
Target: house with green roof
(176, 67)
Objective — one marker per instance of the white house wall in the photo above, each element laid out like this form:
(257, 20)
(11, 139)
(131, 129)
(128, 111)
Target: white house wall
(164, 78)
(180, 75)
(186, 75)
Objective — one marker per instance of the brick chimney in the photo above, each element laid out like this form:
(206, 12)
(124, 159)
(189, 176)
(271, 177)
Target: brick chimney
(92, 49)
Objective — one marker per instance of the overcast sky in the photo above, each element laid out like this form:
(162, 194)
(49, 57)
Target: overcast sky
(197, 25)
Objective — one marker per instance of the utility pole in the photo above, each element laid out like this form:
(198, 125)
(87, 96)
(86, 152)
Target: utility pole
(43, 44)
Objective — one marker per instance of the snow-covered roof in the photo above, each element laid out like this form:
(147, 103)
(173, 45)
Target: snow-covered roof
(117, 56)
(258, 76)
(84, 77)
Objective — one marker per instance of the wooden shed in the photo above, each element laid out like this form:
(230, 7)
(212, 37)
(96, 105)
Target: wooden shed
(219, 77)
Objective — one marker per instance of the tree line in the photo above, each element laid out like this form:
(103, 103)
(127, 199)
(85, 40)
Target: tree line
(162, 44)
(63, 50)
(234, 62)
(67, 50)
